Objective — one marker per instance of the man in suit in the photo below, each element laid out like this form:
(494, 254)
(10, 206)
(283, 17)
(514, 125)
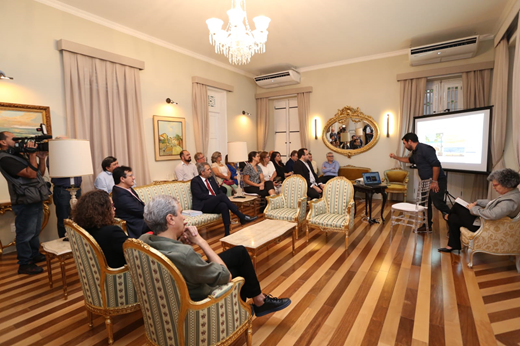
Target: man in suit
(208, 198)
(303, 168)
(129, 206)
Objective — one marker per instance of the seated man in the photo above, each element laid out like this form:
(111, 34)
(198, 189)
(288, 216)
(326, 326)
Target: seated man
(303, 168)
(129, 206)
(330, 168)
(208, 198)
(164, 216)
(185, 170)
(104, 180)
(289, 165)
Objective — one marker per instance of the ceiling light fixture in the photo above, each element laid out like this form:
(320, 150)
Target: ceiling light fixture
(238, 42)
(169, 101)
(3, 76)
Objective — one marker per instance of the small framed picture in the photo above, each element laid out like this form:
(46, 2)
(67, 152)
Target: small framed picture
(169, 135)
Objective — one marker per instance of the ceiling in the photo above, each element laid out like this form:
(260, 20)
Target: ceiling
(302, 34)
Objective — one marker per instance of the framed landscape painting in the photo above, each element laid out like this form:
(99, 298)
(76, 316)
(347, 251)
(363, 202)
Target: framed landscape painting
(169, 135)
(23, 120)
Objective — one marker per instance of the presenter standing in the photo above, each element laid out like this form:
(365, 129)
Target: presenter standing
(428, 166)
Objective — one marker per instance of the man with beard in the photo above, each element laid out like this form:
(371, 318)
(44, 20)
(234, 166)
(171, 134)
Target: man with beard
(185, 170)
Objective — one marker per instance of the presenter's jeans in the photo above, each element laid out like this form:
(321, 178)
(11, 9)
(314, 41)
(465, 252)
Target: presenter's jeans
(437, 198)
(28, 223)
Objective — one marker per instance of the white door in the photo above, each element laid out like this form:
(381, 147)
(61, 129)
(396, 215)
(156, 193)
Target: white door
(286, 127)
(217, 122)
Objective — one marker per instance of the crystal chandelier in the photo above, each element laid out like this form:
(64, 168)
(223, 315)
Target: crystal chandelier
(238, 42)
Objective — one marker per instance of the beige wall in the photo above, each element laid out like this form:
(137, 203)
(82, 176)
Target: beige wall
(29, 34)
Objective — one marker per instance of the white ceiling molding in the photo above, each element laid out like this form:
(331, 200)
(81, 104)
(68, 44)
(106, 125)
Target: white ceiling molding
(124, 29)
(354, 60)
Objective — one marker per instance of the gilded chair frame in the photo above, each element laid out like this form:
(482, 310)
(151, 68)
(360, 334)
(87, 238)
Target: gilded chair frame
(270, 199)
(404, 183)
(491, 233)
(105, 270)
(186, 303)
(350, 205)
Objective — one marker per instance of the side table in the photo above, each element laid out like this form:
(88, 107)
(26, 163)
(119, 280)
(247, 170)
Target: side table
(369, 192)
(61, 250)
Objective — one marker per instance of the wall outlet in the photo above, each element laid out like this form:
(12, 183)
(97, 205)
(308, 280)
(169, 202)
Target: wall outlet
(13, 228)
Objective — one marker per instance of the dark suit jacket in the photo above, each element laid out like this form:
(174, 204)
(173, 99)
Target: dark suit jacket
(131, 210)
(199, 192)
(111, 238)
(301, 169)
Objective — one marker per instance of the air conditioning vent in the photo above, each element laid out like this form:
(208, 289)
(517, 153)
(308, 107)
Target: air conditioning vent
(444, 51)
(278, 79)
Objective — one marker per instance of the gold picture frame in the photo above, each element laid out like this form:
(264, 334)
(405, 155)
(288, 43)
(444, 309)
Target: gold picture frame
(23, 120)
(169, 134)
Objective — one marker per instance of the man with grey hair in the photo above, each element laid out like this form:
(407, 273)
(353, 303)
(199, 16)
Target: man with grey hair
(208, 198)
(330, 168)
(164, 217)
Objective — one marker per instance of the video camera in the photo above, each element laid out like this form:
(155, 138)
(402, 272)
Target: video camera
(41, 141)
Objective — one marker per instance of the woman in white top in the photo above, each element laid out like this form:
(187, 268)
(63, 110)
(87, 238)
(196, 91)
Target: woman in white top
(222, 173)
(269, 171)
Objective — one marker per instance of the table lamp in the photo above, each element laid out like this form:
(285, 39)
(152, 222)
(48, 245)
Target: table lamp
(69, 158)
(237, 152)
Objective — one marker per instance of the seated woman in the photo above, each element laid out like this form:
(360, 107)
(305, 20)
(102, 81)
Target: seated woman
(94, 212)
(254, 178)
(505, 182)
(233, 170)
(276, 159)
(269, 171)
(222, 173)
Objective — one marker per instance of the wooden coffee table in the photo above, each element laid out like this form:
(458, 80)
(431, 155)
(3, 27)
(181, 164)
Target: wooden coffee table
(260, 235)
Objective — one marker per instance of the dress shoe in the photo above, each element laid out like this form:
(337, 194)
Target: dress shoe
(271, 304)
(247, 219)
(30, 269)
(423, 229)
(443, 249)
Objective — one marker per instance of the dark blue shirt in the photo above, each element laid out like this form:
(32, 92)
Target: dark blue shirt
(233, 172)
(289, 166)
(425, 158)
(65, 182)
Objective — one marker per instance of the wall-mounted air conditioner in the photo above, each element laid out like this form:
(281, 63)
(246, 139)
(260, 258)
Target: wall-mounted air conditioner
(278, 79)
(463, 48)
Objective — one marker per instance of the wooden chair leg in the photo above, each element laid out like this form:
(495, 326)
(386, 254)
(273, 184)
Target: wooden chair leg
(108, 324)
(346, 240)
(249, 336)
(90, 319)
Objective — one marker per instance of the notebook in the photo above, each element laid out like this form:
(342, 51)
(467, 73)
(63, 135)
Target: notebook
(371, 178)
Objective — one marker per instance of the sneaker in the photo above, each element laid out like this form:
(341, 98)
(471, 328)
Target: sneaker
(271, 304)
(30, 269)
(39, 258)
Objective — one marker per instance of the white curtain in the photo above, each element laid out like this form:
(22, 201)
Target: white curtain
(499, 100)
(516, 96)
(200, 117)
(103, 104)
(303, 100)
(411, 105)
(262, 122)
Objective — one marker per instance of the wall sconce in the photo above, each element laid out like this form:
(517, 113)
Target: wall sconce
(315, 128)
(3, 76)
(388, 125)
(169, 101)
(246, 113)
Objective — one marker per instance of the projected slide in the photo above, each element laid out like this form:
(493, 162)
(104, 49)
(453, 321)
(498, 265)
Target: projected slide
(460, 139)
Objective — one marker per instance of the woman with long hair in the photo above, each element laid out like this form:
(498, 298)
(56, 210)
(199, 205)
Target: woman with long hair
(276, 159)
(269, 170)
(94, 212)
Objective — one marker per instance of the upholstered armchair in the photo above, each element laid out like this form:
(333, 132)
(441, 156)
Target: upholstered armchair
(291, 203)
(170, 316)
(495, 237)
(397, 181)
(107, 291)
(334, 212)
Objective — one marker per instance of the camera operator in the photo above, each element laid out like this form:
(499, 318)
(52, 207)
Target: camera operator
(27, 190)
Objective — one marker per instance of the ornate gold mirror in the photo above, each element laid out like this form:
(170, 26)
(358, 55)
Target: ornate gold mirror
(350, 132)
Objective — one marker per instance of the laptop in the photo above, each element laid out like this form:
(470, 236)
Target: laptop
(371, 179)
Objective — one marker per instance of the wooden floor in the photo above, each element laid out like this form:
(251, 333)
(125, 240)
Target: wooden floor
(388, 288)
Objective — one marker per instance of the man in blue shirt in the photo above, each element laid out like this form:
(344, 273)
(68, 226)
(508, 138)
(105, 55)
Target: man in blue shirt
(289, 166)
(428, 166)
(104, 180)
(329, 168)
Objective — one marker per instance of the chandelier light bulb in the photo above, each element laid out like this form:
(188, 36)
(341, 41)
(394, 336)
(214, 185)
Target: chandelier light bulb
(237, 42)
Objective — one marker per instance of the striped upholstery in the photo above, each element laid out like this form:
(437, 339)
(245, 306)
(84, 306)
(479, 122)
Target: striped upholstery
(118, 295)
(170, 316)
(291, 204)
(334, 212)
(182, 191)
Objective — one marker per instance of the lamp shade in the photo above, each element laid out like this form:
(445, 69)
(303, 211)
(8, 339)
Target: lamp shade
(237, 151)
(69, 158)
